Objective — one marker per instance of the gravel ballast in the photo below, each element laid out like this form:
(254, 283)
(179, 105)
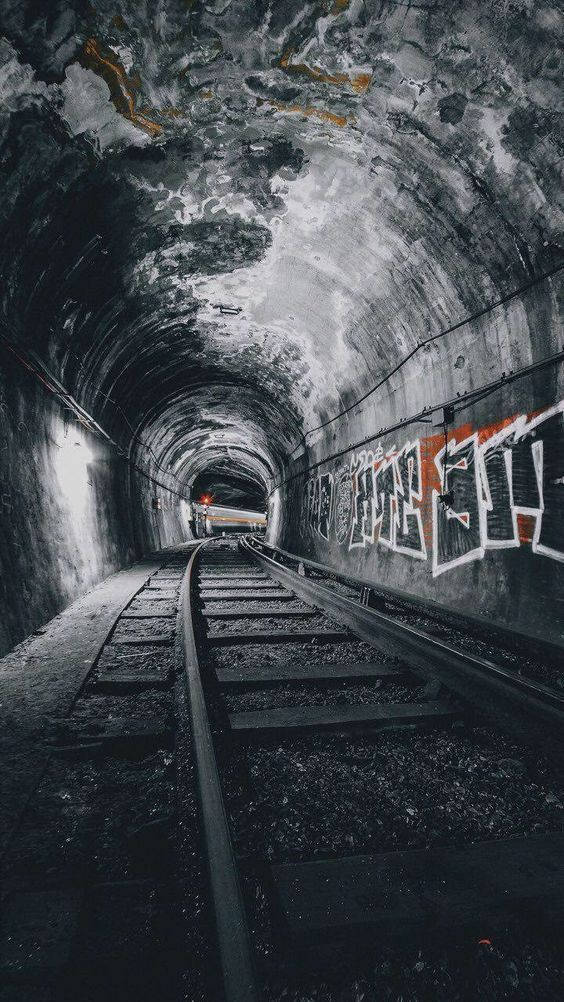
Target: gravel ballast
(330, 795)
(334, 795)
(143, 659)
(308, 653)
(378, 691)
(548, 674)
(241, 605)
(291, 624)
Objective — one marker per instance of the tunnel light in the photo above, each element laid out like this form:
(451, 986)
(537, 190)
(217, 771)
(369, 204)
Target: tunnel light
(206, 499)
(72, 457)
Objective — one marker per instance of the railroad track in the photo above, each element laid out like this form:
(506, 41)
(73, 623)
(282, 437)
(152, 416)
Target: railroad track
(297, 706)
(293, 682)
(95, 876)
(482, 663)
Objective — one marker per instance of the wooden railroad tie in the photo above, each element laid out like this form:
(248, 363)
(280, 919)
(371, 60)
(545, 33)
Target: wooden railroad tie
(147, 615)
(227, 595)
(258, 611)
(423, 892)
(300, 718)
(279, 637)
(243, 678)
(123, 682)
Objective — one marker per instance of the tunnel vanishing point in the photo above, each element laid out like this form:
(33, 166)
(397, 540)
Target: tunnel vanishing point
(305, 256)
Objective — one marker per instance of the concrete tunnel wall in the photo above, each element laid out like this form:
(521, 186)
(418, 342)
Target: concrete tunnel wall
(497, 549)
(72, 511)
(223, 225)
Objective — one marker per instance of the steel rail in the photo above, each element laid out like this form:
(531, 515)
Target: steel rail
(235, 952)
(488, 686)
(426, 605)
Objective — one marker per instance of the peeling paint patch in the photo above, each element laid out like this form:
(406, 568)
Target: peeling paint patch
(87, 108)
(310, 112)
(106, 64)
(359, 82)
(18, 86)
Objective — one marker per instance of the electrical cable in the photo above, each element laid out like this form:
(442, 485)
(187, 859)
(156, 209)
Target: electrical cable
(422, 416)
(421, 344)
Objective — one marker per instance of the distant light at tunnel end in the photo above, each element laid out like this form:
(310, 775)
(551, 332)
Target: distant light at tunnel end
(206, 499)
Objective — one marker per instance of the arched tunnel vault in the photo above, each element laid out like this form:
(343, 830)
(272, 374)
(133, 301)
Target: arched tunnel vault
(222, 223)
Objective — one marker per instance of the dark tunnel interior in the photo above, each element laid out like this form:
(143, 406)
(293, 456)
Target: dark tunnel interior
(229, 489)
(281, 501)
(251, 249)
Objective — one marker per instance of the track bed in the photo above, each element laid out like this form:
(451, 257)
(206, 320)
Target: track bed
(361, 796)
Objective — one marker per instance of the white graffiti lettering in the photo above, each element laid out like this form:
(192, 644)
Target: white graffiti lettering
(487, 482)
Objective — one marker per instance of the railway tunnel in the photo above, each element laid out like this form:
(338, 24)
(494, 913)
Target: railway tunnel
(303, 260)
(307, 247)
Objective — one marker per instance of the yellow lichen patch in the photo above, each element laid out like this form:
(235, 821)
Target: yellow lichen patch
(206, 94)
(105, 63)
(339, 5)
(359, 83)
(309, 111)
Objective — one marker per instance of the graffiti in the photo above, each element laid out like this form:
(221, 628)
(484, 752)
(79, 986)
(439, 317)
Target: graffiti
(362, 485)
(495, 488)
(402, 528)
(458, 526)
(387, 489)
(324, 504)
(516, 472)
(342, 509)
(319, 503)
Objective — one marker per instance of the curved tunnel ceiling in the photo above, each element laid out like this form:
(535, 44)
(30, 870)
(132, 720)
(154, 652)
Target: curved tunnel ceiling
(223, 221)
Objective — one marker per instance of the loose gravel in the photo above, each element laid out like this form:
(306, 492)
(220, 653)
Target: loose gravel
(240, 605)
(377, 691)
(290, 624)
(92, 812)
(309, 653)
(333, 795)
(496, 965)
(136, 660)
(156, 630)
(547, 673)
